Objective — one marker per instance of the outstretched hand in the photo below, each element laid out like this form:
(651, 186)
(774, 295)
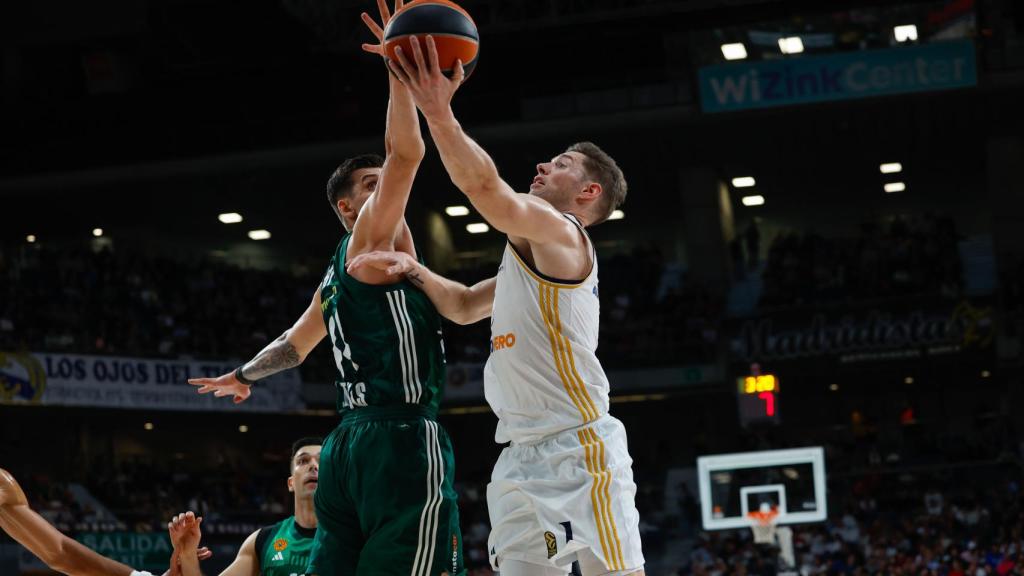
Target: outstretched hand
(430, 88)
(378, 29)
(185, 536)
(225, 385)
(391, 263)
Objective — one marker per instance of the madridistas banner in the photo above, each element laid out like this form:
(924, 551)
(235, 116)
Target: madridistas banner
(891, 331)
(135, 383)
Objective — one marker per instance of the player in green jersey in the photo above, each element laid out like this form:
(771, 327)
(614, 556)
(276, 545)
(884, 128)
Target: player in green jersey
(386, 502)
(281, 549)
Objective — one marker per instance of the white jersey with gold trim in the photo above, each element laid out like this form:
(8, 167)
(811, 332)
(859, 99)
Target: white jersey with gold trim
(543, 376)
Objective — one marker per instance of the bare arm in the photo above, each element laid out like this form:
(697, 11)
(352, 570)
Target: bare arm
(246, 563)
(37, 535)
(470, 167)
(380, 218)
(288, 351)
(459, 303)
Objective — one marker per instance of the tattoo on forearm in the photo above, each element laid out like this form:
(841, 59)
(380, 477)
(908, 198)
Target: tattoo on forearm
(415, 278)
(279, 355)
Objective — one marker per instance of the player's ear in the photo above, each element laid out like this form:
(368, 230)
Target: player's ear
(291, 483)
(346, 208)
(591, 192)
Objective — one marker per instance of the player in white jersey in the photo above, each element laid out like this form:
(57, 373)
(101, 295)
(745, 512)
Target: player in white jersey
(561, 495)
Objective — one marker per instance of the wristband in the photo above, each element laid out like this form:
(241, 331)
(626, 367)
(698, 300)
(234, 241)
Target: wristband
(241, 378)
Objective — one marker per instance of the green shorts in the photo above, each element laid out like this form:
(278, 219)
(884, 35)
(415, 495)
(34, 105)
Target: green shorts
(385, 502)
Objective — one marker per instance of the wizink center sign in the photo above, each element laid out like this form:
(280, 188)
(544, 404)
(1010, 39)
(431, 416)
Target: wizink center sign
(927, 67)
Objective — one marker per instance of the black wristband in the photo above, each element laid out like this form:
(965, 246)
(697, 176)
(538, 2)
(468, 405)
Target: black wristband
(241, 378)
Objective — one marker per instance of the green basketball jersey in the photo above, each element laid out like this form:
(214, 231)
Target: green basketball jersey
(284, 548)
(386, 340)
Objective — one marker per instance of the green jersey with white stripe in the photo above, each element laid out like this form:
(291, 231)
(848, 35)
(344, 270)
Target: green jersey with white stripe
(386, 340)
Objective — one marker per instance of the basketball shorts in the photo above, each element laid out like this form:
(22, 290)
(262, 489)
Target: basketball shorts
(568, 498)
(386, 503)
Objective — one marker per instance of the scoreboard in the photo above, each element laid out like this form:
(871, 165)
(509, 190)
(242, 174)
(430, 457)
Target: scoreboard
(758, 399)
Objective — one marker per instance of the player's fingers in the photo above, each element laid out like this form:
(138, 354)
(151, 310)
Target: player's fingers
(394, 270)
(207, 389)
(417, 56)
(220, 393)
(373, 49)
(373, 26)
(385, 14)
(432, 60)
(199, 381)
(239, 399)
(204, 553)
(407, 69)
(459, 74)
(398, 5)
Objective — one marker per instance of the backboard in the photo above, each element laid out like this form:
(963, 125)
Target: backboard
(733, 485)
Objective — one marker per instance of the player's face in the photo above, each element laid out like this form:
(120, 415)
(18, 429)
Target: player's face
(305, 471)
(364, 183)
(559, 180)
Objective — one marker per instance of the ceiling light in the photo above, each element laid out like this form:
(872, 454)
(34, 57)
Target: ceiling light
(743, 182)
(735, 51)
(97, 232)
(834, 387)
(985, 373)
(891, 168)
(243, 428)
(148, 425)
(791, 45)
(259, 234)
(31, 238)
(908, 380)
(905, 33)
(456, 211)
(617, 215)
(477, 228)
(895, 187)
(230, 217)
(756, 200)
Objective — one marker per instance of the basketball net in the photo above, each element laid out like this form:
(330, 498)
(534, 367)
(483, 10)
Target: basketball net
(763, 524)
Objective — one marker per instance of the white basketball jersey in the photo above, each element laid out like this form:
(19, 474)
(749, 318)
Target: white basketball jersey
(543, 376)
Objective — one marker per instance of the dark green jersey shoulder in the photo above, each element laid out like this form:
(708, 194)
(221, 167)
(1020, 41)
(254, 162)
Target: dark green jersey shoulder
(386, 340)
(284, 548)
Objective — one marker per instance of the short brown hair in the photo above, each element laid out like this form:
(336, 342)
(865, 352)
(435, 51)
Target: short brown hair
(601, 168)
(340, 182)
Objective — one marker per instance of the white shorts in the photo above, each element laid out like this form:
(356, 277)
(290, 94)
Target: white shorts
(567, 498)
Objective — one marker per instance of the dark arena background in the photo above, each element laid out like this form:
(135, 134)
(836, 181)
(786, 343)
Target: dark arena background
(822, 246)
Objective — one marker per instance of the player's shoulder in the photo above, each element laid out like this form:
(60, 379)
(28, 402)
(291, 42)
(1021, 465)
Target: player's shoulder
(261, 536)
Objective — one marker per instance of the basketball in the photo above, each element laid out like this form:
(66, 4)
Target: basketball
(453, 29)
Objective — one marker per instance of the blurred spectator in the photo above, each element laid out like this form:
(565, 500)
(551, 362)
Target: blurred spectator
(907, 256)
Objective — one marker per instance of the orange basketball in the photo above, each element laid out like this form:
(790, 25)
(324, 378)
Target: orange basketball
(452, 27)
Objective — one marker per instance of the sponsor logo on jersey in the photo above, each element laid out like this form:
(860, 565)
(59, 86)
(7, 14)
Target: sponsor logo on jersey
(503, 341)
(549, 539)
(278, 557)
(455, 553)
(280, 544)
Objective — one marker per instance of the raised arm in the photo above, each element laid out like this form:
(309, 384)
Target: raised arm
(457, 302)
(470, 167)
(288, 351)
(380, 218)
(55, 549)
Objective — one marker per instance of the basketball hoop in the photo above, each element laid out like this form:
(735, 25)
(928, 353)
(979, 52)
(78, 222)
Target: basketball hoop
(763, 525)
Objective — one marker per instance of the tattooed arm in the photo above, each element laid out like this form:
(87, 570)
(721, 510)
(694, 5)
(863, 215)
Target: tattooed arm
(457, 302)
(288, 351)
